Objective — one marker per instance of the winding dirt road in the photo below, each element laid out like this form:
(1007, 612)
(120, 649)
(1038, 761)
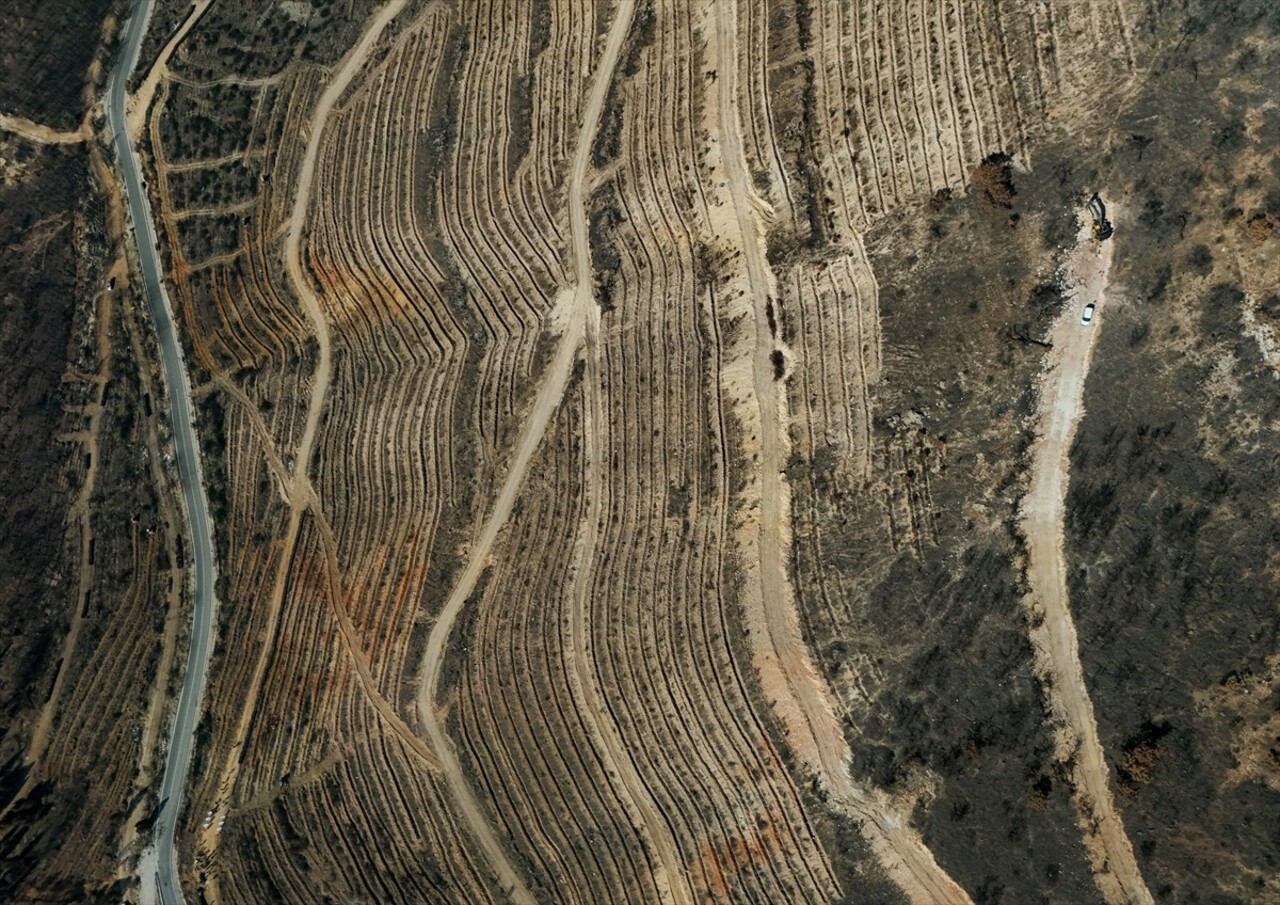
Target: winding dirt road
(1053, 637)
(575, 309)
(811, 723)
(140, 100)
(300, 492)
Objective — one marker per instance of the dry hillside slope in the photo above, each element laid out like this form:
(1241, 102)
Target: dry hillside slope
(655, 452)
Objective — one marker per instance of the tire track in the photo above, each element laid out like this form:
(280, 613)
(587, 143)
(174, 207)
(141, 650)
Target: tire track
(352, 64)
(811, 723)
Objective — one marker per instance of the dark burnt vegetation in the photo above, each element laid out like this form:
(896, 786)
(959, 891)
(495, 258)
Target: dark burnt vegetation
(108, 694)
(795, 126)
(985, 734)
(206, 236)
(1171, 515)
(59, 839)
(206, 123)
(863, 880)
(35, 826)
(607, 142)
(246, 40)
(211, 420)
(230, 183)
(937, 632)
(1171, 539)
(993, 178)
(37, 305)
(37, 485)
(45, 51)
(604, 218)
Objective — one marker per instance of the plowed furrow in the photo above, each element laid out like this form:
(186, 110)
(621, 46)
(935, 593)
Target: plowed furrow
(570, 781)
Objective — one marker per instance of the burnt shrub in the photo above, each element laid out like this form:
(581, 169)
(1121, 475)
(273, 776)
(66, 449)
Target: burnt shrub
(994, 177)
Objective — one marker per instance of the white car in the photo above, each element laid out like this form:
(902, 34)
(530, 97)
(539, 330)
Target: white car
(1088, 313)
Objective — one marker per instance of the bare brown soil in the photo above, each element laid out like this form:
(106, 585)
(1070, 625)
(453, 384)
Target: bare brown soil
(38, 133)
(655, 454)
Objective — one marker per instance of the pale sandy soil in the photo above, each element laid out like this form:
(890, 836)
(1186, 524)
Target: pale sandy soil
(39, 133)
(1053, 636)
(799, 693)
(140, 101)
(300, 494)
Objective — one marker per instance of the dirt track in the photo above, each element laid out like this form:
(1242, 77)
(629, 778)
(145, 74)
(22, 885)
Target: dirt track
(39, 133)
(140, 101)
(1054, 637)
(671, 877)
(299, 492)
(574, 309)
(811, 722)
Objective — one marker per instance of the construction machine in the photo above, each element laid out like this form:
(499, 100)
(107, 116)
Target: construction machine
(1101, 225)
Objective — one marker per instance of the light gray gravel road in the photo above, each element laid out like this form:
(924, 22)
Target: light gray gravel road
(187, 450)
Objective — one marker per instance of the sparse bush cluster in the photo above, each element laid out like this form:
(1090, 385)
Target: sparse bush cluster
(206, 123)
(224, 185)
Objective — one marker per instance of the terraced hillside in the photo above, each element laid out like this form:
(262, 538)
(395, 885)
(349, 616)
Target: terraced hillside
(617, 417)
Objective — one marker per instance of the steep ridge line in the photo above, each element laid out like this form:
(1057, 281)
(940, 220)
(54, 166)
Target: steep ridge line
(1053, 633)
(299, 499)
(808, 716)
(572, 311)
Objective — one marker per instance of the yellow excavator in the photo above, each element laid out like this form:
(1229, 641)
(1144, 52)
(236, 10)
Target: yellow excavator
(1101, 225)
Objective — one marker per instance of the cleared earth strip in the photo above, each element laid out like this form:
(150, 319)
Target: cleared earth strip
(40, 134)
(693, 713)
(810, 721)
(1053, 633)
(571, 312)
(672, 881)
(320, 381)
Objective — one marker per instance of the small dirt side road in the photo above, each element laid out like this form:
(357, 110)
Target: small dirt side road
(575, 314)
(1053, 636)
(38, 133)
(800, 695)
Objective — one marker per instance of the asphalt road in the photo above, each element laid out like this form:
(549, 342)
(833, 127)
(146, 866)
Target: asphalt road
(186, 449)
